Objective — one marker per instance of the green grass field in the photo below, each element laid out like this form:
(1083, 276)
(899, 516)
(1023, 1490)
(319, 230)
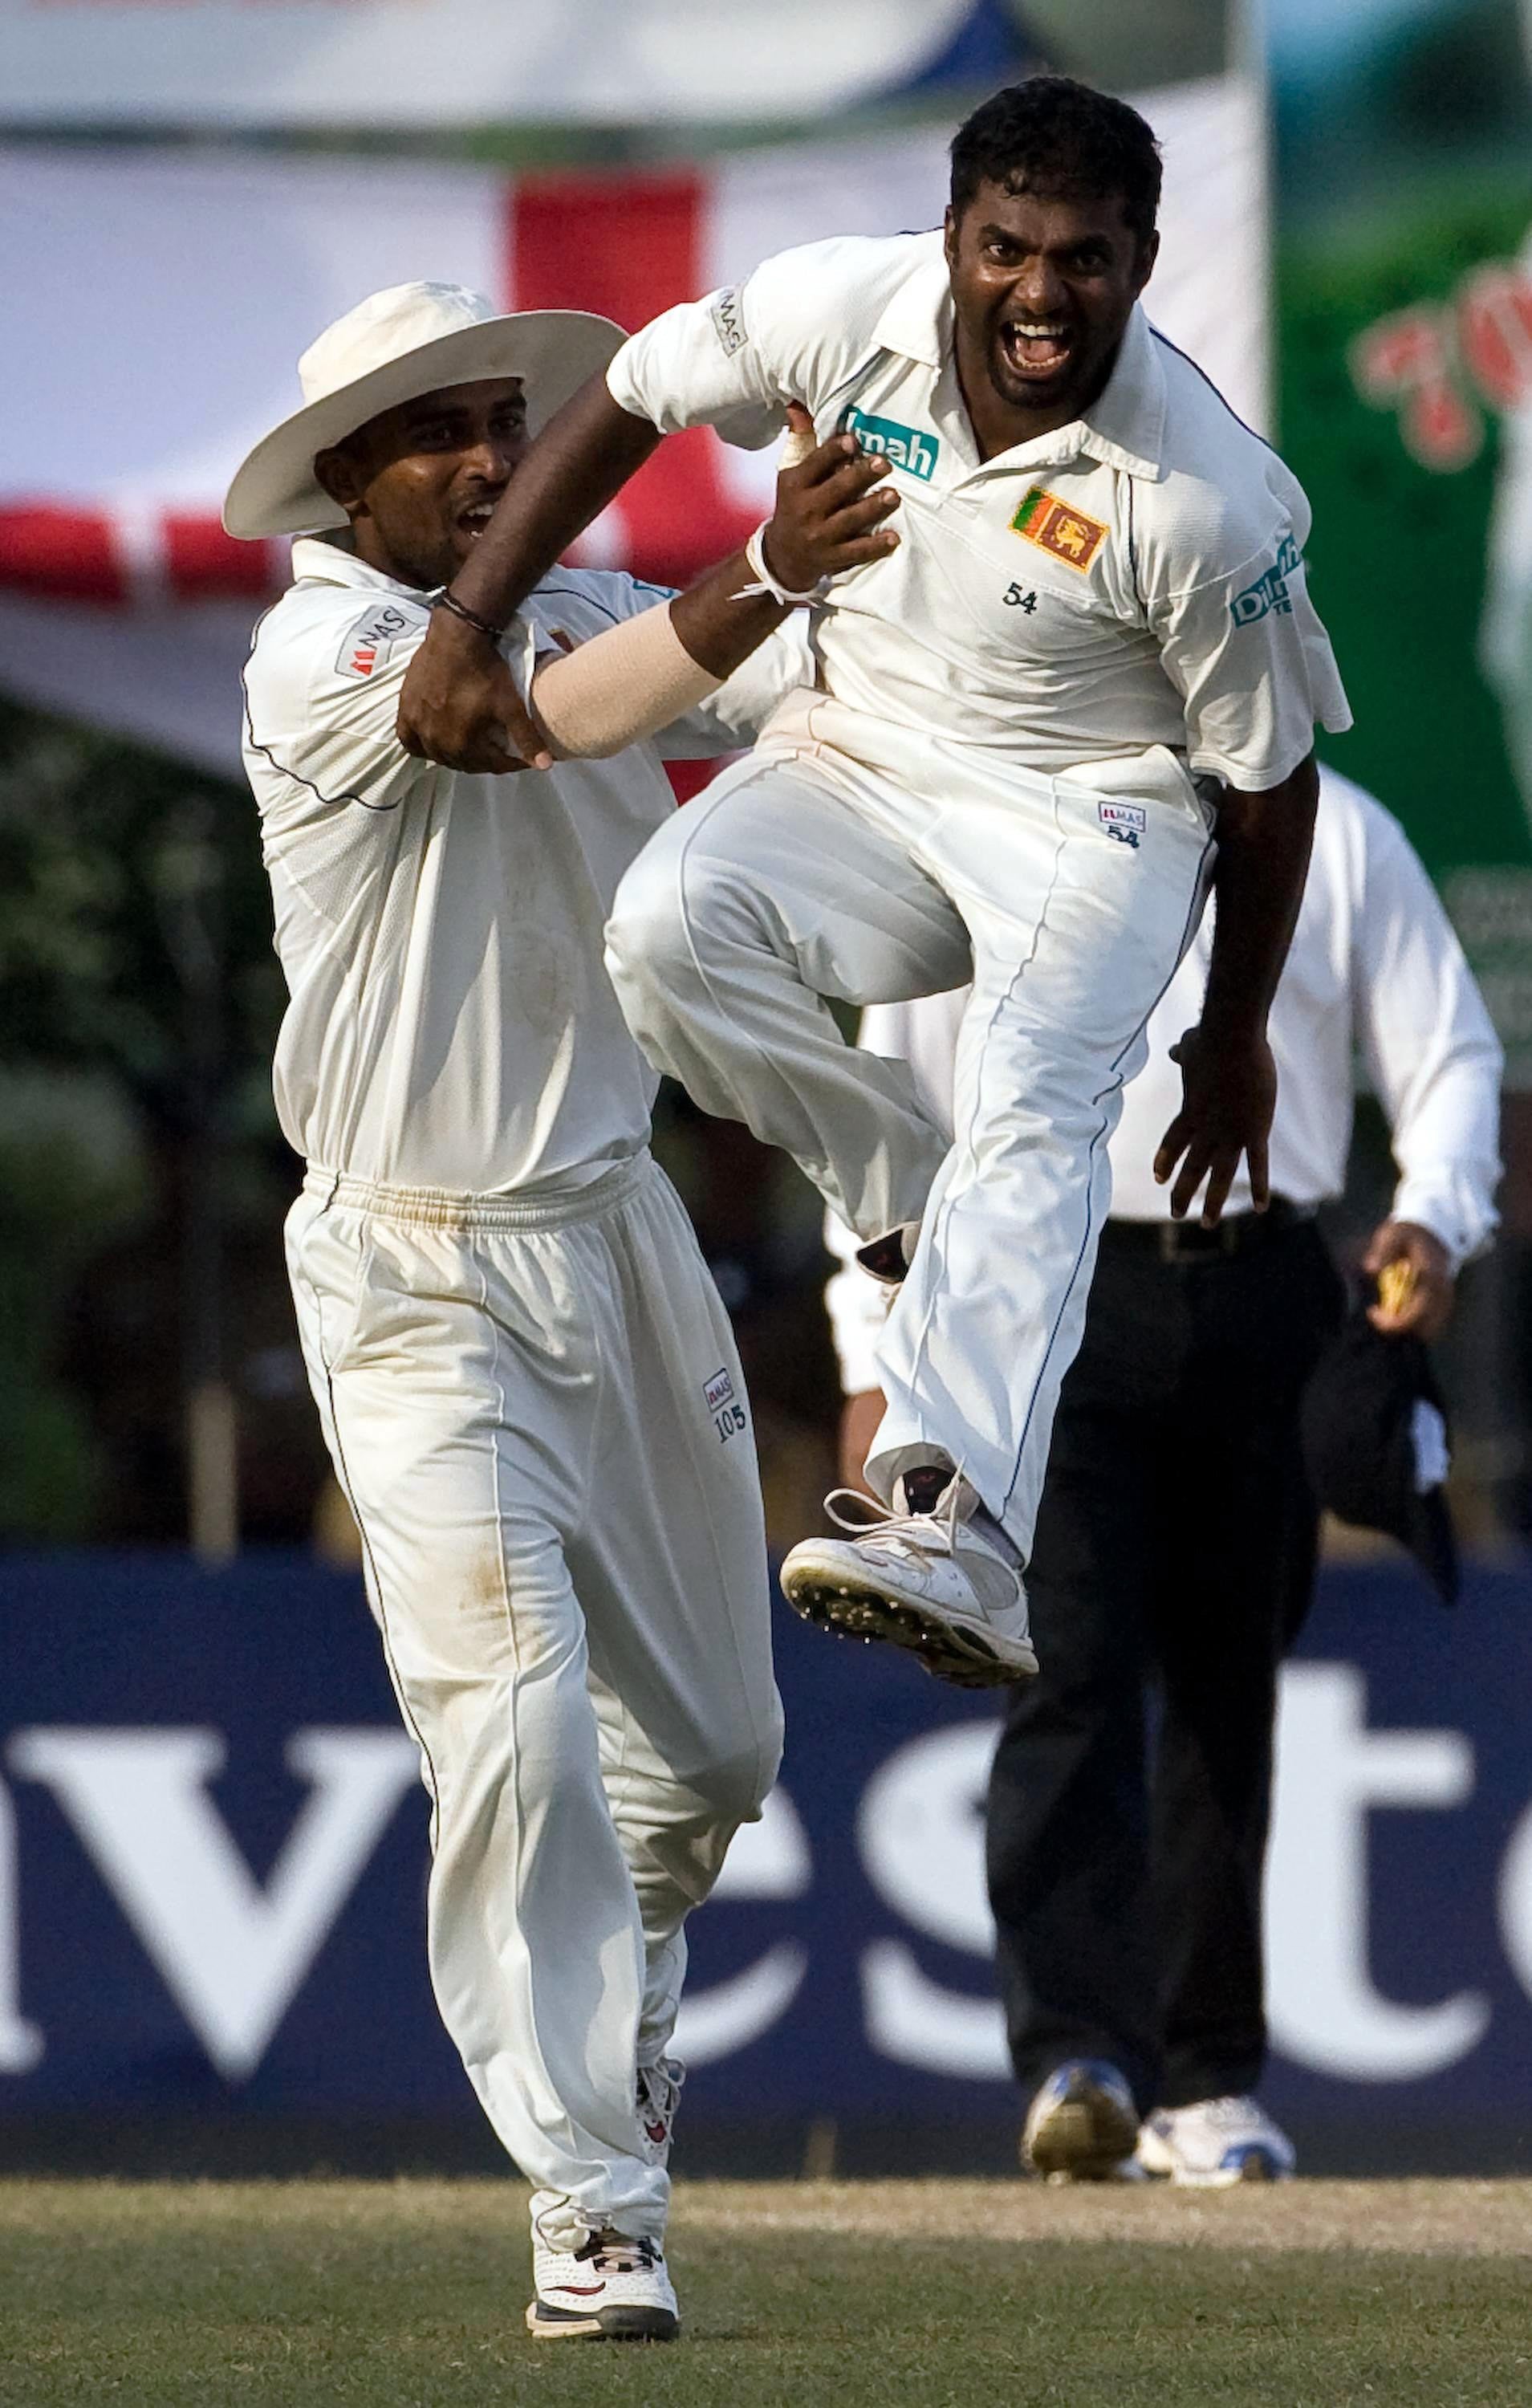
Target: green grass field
(1314, 2296)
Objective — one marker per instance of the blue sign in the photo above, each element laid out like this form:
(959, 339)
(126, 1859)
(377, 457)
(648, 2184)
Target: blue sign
(212, 1859)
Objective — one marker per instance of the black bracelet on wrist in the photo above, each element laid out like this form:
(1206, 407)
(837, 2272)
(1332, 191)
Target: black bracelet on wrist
(448, 601)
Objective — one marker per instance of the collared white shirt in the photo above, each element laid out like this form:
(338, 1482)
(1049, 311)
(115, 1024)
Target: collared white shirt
(1129, 590)
(450, 1024)
(1375, 972)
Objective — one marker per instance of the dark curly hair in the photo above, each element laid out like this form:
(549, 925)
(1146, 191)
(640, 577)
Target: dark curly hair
(1060, 139)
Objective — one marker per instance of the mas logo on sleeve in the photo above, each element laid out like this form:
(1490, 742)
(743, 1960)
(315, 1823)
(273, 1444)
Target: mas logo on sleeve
(370, 641)
(726, 312)
(1059, 529)
(1269, 591)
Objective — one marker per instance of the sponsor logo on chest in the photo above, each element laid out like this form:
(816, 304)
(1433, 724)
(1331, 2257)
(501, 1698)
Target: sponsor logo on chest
(371, 640)
(1059, 529)
(1269, 591)
(903, 446)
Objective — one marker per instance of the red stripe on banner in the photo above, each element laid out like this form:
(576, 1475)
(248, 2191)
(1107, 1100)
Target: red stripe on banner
(688, 778)
(625, 245)
(202, 562)
(64, 553)
(630, 247)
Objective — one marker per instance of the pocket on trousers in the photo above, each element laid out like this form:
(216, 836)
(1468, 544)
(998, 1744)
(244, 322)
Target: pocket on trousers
(327, 1254)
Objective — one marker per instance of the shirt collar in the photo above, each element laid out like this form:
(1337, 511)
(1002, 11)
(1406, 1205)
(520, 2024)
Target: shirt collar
(918, 320)
(1125, 428)
(317, 557)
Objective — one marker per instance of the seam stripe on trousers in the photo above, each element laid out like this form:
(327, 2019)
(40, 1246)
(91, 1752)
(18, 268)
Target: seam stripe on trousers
(395, 1682)
(1112, 1087)
(944, 1211)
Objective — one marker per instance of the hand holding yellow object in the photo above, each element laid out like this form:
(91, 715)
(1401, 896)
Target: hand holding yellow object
(1396, 1284)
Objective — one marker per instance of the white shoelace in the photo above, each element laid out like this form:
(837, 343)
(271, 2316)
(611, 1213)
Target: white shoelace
(902, 1534)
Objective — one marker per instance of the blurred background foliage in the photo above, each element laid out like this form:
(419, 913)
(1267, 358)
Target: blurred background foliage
(139, 999)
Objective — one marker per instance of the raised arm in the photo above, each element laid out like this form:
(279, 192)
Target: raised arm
(733, 359)
(460, 705)
(1228, 1076)
(636, 679)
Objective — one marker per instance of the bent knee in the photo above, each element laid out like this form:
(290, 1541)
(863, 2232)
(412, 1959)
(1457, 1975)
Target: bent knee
(741, 1784)
(647, 929)
(680, 894)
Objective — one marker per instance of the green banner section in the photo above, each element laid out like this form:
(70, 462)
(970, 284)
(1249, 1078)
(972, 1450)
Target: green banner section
(1404, 335)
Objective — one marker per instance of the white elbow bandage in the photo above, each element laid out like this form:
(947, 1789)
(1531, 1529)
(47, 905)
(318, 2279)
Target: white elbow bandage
(624, 684)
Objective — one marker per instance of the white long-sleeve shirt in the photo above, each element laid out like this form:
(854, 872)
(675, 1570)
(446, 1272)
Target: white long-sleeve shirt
(450, 1023)
(1375, 972)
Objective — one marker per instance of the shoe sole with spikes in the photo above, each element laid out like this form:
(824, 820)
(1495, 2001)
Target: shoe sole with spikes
(854, 1608)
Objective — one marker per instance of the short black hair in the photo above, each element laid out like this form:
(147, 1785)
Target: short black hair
(1060, 139)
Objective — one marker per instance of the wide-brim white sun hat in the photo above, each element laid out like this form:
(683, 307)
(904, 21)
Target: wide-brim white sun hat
(394, 347)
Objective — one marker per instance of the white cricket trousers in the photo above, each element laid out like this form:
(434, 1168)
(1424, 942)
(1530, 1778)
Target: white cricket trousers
(536, 1414)
(790, 881)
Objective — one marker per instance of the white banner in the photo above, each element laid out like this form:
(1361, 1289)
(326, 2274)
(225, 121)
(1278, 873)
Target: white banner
(156, 304)
(398, 63)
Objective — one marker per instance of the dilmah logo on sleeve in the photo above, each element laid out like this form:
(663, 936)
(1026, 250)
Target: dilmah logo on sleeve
(370, 641)
(1269, 592)
(1125, 822)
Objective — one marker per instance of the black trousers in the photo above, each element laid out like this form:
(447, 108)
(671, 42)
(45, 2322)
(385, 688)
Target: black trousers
(1174, 1559)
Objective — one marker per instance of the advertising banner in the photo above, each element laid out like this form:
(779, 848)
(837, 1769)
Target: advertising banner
(213, 1847)
(454, 63)
(156, 304)
(1403, 175)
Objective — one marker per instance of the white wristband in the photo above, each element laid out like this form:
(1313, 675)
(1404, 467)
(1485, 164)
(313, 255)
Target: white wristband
(766, 583)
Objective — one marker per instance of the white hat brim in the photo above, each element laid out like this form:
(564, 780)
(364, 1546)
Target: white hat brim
(553, 352)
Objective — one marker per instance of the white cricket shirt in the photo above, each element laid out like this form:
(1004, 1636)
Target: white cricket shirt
(1375, 971)
(1128, 589)
(451, 1023)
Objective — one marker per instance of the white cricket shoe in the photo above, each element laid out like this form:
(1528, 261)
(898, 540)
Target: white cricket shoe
(928, 1582)
(659, 2096)
(612, 2289)
(1082, 2125)
(1215, 2144)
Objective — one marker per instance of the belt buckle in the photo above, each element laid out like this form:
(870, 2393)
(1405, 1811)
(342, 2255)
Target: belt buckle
(1168, 1236)
(1189, 1242)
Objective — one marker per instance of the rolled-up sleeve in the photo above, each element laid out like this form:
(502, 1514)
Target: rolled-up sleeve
(684, 369)
(735, 359)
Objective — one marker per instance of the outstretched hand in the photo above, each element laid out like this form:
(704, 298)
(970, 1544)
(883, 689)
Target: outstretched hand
(1228, 1096)
(831, 506)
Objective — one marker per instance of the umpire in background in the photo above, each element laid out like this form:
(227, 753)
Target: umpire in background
(1177, 1542)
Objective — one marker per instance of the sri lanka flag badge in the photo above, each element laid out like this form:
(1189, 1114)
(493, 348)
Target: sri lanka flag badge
(1058, 528)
